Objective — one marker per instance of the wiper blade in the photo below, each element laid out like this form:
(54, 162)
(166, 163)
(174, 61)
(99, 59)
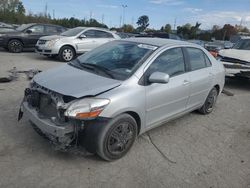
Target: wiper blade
(97, 67)
(93, 67)
(75, 63)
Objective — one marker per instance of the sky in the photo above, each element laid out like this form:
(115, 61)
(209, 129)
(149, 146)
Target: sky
(160, 12)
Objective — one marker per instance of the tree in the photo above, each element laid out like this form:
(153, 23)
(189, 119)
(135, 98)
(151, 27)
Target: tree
(20, 8)
(166, 28)
(143, 23)
(228, 30)
(215, 27)
(184, 30)
(127, 28)
(188, 31)
(194, 30)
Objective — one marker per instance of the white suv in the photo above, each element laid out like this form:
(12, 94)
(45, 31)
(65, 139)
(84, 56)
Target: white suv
(74, 41)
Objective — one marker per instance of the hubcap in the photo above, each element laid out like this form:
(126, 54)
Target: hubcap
(120, 138)
(67, 54)
(15, 46)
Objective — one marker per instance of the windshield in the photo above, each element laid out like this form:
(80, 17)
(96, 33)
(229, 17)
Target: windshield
(243, 44)
(72, 32)
(23, 27)
(117, 60)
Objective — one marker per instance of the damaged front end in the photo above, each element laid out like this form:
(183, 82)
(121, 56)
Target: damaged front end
(235, 67)
(59, 118)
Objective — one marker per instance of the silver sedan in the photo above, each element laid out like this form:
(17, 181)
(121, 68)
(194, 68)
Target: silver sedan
(74, 41)
(107, 97)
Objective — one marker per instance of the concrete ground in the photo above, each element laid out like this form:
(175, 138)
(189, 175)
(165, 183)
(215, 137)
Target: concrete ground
(192, 151)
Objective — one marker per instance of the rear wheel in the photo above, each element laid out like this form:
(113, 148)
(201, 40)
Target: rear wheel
(67, 53)
(15, 46)
(209, 104)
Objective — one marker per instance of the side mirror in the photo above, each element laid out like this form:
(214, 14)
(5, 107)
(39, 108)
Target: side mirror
(82, 36)
(29, 31)
(159, 77)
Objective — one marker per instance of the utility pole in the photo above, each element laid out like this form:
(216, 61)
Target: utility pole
(90, 15)
(132, 21)
(174, 23)
(120, 21)
(53, 13)
(102, 18)
(124, 6)
(46, 10)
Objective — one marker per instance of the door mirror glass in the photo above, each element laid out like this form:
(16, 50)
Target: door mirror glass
(29, 31)
(159, 77)
(82, 36)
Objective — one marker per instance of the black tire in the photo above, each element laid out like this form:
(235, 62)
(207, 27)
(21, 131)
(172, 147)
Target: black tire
(51, 56)
(113, 140)
(15, 46)
(209, 104)
(67, 53)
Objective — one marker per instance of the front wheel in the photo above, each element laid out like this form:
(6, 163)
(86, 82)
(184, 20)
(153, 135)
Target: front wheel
(114, 139)
(209, 104)
(67, 53)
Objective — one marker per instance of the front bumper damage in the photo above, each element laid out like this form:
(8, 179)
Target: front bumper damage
(45, 110)
(62, 136)
(237, 69)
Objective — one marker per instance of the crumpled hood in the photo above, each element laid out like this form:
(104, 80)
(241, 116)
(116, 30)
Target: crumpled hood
(70, 81)
(243, 55)
(52, 37)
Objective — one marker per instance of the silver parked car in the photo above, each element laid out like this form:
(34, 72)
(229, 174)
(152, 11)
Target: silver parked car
(74, 41)
(107, 97)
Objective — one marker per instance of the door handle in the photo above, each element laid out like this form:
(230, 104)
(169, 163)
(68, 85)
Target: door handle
(186, 82)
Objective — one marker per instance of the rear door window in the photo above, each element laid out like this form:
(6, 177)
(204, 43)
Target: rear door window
(90, 34)
(103, 34)
(52, 29)
(37, 29)
(197, 58)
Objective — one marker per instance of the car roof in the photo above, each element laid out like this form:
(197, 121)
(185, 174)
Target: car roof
(158, 41)
(245, 37)
(31, 24)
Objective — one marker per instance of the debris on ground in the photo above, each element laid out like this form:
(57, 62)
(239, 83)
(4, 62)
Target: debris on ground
(29, 73)
(158, 149)
(228, 93)
(14, 74)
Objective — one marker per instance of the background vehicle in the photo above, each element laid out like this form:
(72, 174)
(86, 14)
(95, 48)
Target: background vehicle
(159, 35)
(74, 41)
(4, 25)
(214, 47)
(199, 42)
(237, 59)
(108, 96)
(26, 36)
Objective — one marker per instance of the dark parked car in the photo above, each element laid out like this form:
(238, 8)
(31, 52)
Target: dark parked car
(160, 35)
(27, 35)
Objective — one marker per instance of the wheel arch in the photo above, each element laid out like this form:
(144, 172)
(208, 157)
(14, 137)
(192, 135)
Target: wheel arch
(10, 39)
(69, 45)
(217, 87)
(137, 119)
